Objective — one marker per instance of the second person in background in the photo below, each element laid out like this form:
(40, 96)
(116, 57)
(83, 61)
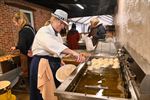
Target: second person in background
(26, 35)
(96, 30)
(73, 37)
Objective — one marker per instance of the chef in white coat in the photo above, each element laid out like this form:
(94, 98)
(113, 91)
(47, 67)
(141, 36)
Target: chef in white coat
(48, 44)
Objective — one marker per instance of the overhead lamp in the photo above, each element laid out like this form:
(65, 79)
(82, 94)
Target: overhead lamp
(80, 6)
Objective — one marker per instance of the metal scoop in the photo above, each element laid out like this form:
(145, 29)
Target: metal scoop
(95, 87)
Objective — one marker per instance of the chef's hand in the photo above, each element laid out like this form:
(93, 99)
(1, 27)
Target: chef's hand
(79, 57)
(29, 53)
(13, 48)
(62, 63)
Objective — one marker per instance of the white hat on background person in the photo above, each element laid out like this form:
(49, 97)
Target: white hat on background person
(62, 15)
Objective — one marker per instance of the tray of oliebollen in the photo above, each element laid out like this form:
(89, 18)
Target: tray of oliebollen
(98, 64)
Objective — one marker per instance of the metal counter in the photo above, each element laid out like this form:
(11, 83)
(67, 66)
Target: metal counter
(103, 49)
(64, 92)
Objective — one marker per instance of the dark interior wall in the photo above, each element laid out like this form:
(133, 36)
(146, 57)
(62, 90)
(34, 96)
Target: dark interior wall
(8, 32)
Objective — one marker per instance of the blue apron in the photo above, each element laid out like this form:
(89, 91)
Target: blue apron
(54, 64)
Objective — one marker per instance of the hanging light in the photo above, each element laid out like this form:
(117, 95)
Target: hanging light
(80, 6)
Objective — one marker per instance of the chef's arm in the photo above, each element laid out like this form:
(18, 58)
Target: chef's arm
(79, 57)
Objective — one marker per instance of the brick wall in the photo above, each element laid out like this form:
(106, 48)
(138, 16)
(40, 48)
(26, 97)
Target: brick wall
(8, 32)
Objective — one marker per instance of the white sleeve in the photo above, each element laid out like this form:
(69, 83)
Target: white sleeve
(50, 44)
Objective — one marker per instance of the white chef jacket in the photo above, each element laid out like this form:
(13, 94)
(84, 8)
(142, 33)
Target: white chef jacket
(47, 43)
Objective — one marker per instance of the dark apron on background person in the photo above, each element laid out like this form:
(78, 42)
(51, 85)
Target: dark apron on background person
(54, 64)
